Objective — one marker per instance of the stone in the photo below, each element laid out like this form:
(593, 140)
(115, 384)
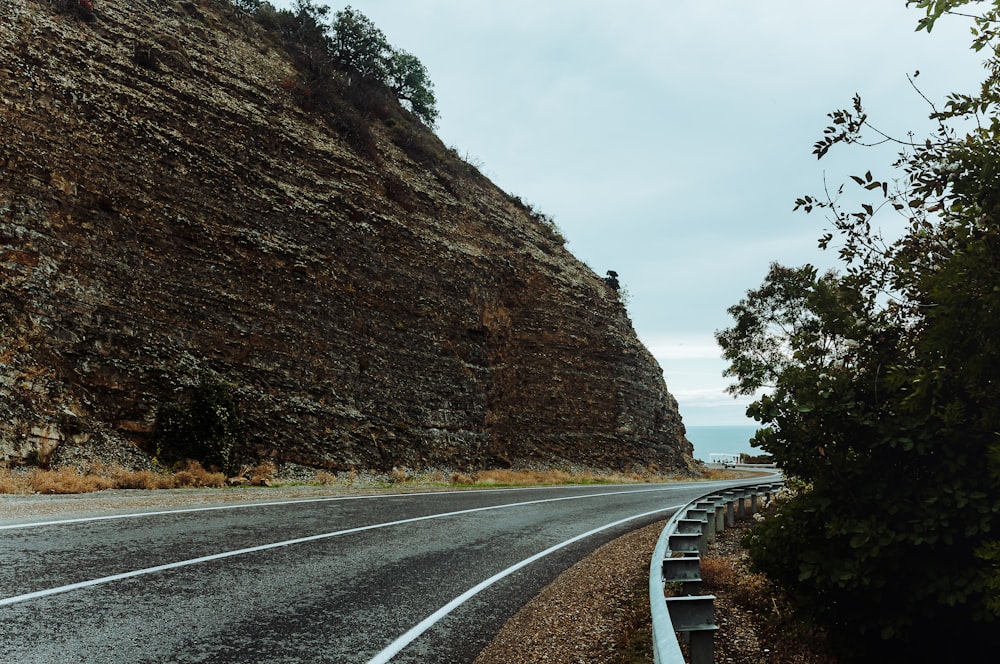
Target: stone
(373, 305)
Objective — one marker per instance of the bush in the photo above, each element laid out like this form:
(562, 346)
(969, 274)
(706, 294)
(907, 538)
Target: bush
(263, 473)
(66, 480)
(203, 429)
(194, 475)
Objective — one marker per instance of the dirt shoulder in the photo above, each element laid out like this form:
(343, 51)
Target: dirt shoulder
(598, 611)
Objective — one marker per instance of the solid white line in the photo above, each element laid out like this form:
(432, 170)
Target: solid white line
(186, 510)
(301, 540)
(410, 636)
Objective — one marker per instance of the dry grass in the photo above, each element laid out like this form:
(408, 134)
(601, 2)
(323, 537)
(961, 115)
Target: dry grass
(66, 480)
(714, 474)
(141, 479)
(99, 478)
(744, 587)
(195, 476)
(8, 483)
(325, 477)
(263, 474)
(535, 477)
(461, 479)
(758, 624)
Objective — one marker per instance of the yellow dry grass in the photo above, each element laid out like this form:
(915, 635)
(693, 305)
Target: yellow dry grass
(504, 477)
(99, 477)
(71, 480)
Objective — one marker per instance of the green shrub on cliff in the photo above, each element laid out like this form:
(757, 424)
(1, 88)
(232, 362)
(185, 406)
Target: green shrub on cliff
(351, 44)
(202, 429)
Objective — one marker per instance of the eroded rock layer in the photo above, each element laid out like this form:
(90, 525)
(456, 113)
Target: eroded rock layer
(169, 212)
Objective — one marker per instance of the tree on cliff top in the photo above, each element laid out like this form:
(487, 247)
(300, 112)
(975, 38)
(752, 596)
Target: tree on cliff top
(352, 44)
(880, 394)
(359, 46)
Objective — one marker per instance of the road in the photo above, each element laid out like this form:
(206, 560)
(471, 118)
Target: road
(400, 577)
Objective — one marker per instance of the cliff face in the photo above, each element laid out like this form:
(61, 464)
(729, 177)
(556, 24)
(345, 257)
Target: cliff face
(169, 212)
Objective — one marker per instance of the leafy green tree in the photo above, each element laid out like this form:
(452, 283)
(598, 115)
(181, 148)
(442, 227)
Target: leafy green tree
(249, 6)
(877, 388)
(360, 47)
(352, 45)
(408, 78)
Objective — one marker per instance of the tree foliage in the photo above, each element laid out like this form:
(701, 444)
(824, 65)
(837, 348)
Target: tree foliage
(361, 47)
(878, 388)
(350, 44)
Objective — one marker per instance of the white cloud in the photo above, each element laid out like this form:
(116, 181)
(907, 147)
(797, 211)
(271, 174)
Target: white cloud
(683, 348)
(707, 397)
(670, 139)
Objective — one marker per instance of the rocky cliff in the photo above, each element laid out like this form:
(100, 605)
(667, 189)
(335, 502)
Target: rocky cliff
(169, 210)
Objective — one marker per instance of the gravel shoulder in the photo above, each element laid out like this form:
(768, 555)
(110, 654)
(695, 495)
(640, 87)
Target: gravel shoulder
(592, 613)
(597, 612)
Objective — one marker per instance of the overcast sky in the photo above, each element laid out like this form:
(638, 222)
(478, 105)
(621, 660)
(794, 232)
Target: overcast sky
(669, 139)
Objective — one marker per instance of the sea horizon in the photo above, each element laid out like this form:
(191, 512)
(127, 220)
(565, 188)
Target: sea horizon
(722, 439)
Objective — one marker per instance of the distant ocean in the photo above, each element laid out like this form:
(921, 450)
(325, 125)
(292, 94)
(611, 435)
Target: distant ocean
(723, 439)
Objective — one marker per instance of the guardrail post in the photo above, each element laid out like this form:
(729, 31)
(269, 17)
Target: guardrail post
(708, 507)
(686, 571)
(697, 513)
(690, 526)
(730, 508)
(769, 493)
(694, 616)
(720, 512)
(741, 507)
(699, 517)
(685, 543)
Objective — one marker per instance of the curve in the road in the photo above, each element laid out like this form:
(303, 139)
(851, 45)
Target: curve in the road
(411, 635)
(274, 545)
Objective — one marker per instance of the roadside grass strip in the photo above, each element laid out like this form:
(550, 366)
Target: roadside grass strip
(304, 540)
(414, 633)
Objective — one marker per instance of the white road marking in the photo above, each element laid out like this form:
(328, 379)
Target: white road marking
(301, 540)
(410, 636)
(185, 510)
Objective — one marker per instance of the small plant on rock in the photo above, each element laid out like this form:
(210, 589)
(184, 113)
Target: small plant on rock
(203, 429)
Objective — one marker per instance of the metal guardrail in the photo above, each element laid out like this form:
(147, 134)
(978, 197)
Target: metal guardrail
(677, 559)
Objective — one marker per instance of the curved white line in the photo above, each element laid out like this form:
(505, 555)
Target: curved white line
(406, 639)
(301, 540)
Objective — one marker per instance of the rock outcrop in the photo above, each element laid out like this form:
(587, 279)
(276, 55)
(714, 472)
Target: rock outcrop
(168, 212)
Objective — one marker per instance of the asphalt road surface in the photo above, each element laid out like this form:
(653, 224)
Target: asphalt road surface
(403, 577)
